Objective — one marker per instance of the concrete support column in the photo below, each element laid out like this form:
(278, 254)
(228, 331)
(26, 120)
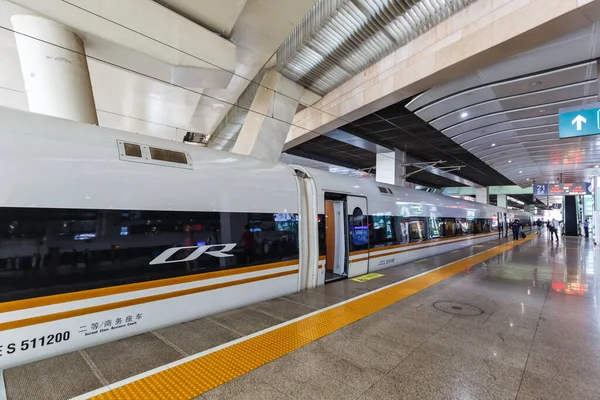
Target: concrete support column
(55, 70)
(391, 168)
(481, 195)
(501, 201)
(267, 124)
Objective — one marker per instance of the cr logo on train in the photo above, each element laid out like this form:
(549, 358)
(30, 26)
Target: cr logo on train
(163, 258)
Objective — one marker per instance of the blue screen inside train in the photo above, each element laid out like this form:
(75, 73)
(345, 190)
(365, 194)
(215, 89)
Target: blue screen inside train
(360, 235)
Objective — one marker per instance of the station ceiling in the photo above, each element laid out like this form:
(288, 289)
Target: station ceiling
(500, 122)
(338, 39)
(397, 127)
(507, 114)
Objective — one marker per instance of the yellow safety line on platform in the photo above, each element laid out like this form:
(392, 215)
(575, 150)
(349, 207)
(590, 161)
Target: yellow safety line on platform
(367, 277)
(202, 374)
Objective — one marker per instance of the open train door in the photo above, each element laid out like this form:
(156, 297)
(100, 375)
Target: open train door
(358, 232)
(336, 237)
(311, 267)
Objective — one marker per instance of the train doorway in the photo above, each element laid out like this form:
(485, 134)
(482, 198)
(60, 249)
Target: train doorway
(336, 264)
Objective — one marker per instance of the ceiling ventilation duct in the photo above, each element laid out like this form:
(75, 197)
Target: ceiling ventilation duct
(339, 38)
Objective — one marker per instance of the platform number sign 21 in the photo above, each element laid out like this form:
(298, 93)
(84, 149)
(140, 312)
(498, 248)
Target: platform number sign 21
(541, 190)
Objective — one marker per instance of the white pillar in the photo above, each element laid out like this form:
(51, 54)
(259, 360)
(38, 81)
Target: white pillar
(263, 136)
(481, 195)
(391, 168)
(55, 70)
(502, 200)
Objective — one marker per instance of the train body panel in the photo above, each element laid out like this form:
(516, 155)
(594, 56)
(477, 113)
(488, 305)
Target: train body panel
(106, 234)
(85, 160)
(401, 201)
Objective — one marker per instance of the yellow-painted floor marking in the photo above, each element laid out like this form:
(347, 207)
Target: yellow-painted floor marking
(200, 375)
(455, 251)
(367, 277)
(478, 245)
(423, 260)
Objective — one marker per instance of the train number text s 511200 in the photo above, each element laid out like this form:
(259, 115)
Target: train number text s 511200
(31, 344)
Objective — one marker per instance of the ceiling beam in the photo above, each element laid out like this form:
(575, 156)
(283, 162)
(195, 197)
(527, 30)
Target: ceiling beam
(470, 191)
(365, 143)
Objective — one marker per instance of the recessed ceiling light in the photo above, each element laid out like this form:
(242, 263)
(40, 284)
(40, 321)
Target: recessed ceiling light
(537, 83)
(527, 178)
(509, 161)
(542, 110)
(464, 115)
(520, 172)
(493, 144)
(597, 166)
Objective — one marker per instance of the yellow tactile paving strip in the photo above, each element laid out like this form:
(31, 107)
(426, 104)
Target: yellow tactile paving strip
(200, 375)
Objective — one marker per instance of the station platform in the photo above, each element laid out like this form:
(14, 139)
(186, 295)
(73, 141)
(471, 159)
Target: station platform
(499, 320)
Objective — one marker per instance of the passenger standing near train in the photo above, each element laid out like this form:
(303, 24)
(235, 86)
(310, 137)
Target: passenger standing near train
(538, 225)
(516, 227)
(554, 226)
(586, 228)
(500, 229)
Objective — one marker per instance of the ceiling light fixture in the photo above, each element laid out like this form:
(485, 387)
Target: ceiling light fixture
(493, 144)
(537, 83)
(597, 166)
(464, 115)
(527, 178)
(520, 172)
(509, 161)
(542, 110)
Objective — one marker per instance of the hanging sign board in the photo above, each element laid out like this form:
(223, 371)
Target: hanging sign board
(579, 121)
(562, 189)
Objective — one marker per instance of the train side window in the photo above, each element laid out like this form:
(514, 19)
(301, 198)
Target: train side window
(322, 235)
(381, 230)
(53, 251)
(449, 227)
(464, 226)
(402, 228)
(168, 155)
(482, 225)
(435, 228)
(417, 230)
(133, 150)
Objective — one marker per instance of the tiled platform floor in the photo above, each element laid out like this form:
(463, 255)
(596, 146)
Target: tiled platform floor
(538, 337)
(354, 361)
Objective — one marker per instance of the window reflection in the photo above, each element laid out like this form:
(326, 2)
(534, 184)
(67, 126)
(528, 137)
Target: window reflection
(381, 230)
(417, 230)
(449, 227)
(47, 251)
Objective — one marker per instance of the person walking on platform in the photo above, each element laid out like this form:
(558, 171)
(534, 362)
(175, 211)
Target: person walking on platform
(538, 225)
(554, 229)
(500, 230)
(516, 227)
(586, 228)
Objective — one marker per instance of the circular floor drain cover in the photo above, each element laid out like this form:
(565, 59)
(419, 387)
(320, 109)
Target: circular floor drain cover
(452, 307)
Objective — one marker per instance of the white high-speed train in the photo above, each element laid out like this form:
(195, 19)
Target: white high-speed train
(106, 234)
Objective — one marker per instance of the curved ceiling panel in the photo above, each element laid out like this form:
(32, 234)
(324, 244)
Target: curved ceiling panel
(507, 114)
(506, 89)
(521, 101)
(522, 113)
